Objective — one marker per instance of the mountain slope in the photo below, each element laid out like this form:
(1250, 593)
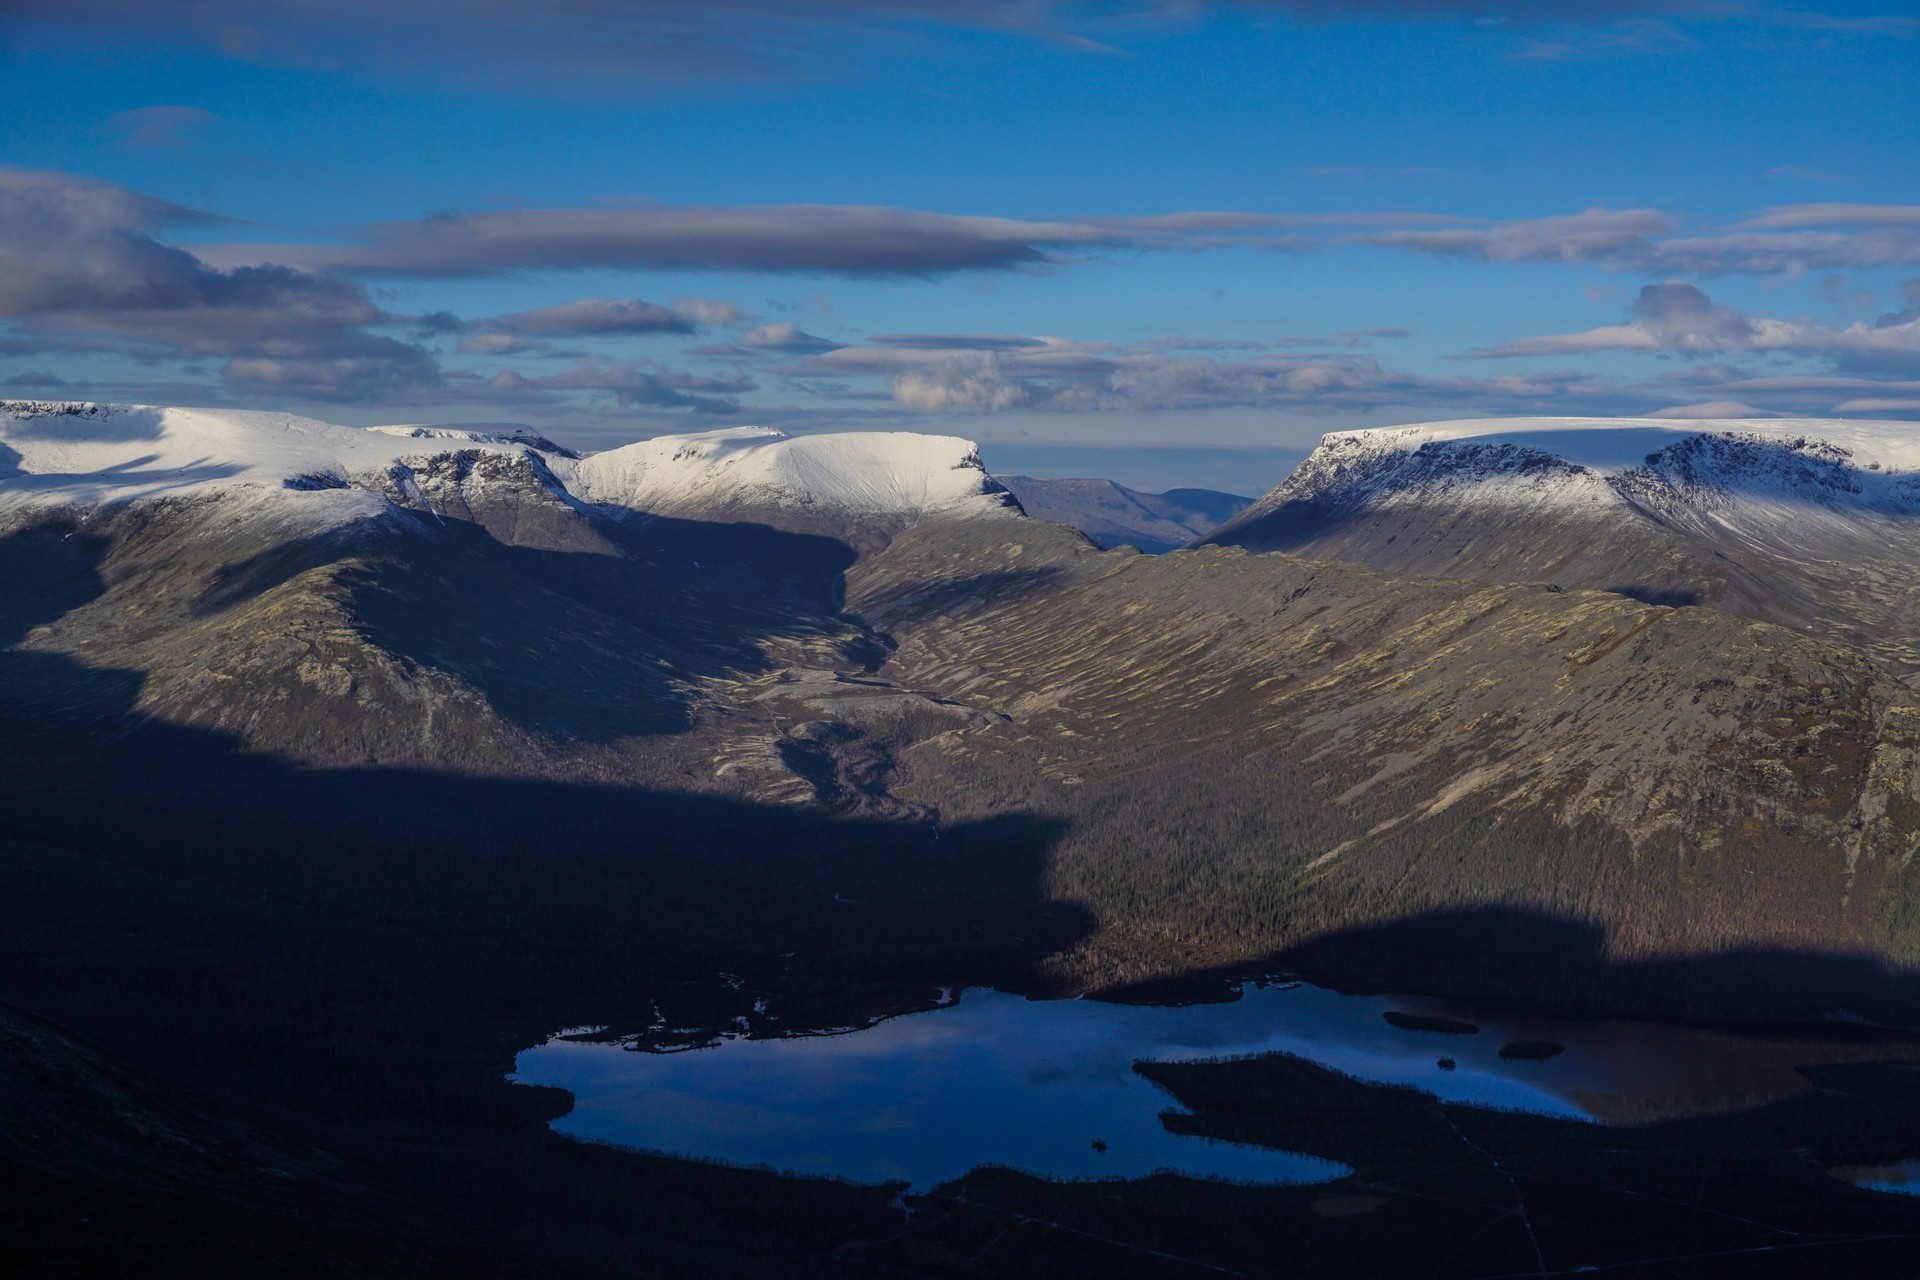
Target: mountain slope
(1813, 524)
(1256, 751)
(1113, 515)
(425, 596)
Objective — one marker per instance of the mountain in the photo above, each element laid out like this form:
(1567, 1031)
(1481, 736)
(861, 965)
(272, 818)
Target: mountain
(1811, 524)
(860, 487)
(1114, 515)
(1262, 755)
(411, 595)
(1239, 756)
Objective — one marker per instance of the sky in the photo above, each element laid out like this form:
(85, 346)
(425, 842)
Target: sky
(1170, 242)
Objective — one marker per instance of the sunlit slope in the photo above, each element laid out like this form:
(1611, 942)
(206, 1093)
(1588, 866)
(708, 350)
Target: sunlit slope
(1811, 523)
(1257, 750)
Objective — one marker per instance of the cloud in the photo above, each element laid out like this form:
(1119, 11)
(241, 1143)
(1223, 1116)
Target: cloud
(80, 269)
(875, 241)
(1637, 240)
(1678, 318)
(854, 240)
(500, 344)
(1834, 215)
(605, 44)
(1814, 384)
(593, 317)
(958, 341)
(712, 313)
(1910, 294)
(1062, 375)
(643, 384)
(1667, 317)
(34, 378)
(386, 371)
(521, 332)
(1793, 253)
(786, 336)
(963, 382)
(1712, 409)
(161, 127)
(1879, 404)
(961, 373)
(1595, 235)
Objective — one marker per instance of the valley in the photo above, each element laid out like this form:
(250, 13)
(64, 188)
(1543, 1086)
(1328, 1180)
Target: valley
(346, 765)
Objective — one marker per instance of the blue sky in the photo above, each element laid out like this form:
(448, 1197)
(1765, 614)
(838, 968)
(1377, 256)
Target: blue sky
(1399, 212)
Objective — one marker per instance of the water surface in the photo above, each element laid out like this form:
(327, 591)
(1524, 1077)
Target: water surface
(1901, 1179)
(999, 1079)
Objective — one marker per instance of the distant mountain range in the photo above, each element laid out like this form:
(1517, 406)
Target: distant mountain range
(1483, 690)
(1114, 515)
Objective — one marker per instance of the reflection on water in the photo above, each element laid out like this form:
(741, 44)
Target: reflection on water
(991, 1079)
(994, 1078)
(1902, 1179)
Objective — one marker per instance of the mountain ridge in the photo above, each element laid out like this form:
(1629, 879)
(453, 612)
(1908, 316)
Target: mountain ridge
(1809, 523)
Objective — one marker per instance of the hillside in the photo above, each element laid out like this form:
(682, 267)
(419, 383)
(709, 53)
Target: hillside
(1259, 755)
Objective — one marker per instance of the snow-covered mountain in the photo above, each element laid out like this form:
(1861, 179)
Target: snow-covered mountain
(877, 481)
(459, 596)
(1113, 515)
(298, 470)
(1810, 523)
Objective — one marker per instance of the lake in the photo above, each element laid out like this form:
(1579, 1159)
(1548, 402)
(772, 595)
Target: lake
(993, 1078)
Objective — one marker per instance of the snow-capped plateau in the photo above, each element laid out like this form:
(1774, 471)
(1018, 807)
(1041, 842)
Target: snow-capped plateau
(1812, 523)
(92, 455)
(716, 474)
(1573, 462)
(1611, 445)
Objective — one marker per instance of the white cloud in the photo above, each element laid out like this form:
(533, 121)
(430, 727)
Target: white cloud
(787, 337)
(1679, 318)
